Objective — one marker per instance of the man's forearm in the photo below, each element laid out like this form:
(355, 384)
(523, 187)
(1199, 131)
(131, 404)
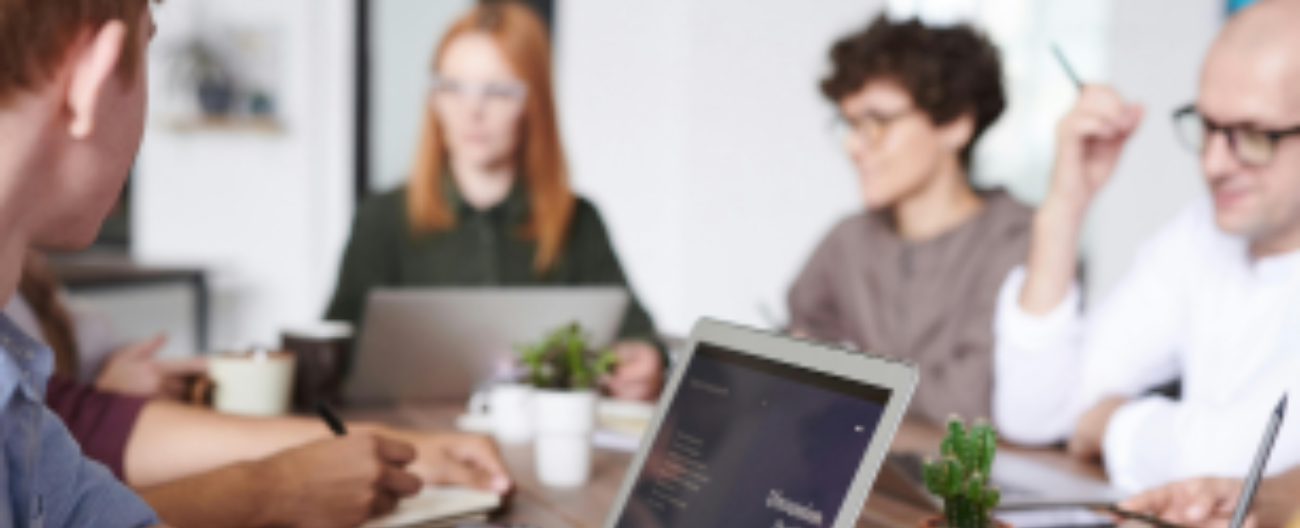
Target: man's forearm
(173, 441)
(1276, 503)
(231, 497)
(1053, 258)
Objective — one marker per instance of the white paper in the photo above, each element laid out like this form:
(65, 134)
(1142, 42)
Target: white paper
(1053, 518)
(438, 503)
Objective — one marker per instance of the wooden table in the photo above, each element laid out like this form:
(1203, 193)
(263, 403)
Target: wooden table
(541, 507)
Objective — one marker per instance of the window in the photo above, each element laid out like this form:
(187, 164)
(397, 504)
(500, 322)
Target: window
(1017, 152)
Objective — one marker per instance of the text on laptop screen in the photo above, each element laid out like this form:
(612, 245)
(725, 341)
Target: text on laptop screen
(749, 442)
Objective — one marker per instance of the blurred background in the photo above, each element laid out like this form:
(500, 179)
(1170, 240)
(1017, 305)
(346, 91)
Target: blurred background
(696, 126)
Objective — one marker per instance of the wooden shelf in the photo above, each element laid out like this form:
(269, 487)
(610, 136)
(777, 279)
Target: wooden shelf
(236, 124)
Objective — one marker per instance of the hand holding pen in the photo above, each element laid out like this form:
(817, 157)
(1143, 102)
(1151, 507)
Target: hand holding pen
(1207, 502)
(1090, 139)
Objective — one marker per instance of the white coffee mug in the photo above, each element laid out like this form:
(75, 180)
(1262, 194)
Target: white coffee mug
(256, 383)
(510, 410)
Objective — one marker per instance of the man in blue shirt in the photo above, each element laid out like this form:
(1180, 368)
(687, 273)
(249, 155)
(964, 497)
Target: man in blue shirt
(46, 480)
(72, 109)
(71, 119)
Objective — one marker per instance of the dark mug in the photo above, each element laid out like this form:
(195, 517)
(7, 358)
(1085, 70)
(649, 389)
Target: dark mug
(323, 350)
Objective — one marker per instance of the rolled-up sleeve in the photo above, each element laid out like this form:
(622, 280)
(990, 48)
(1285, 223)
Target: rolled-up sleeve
(1053, 368)
(1134, 466)
(101, 422)
(1036, 365)
(1153, 441)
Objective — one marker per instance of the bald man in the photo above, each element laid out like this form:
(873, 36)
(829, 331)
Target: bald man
(1213, 298)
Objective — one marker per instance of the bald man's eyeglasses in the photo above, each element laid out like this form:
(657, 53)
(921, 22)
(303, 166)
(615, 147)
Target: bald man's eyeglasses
(1252, 146)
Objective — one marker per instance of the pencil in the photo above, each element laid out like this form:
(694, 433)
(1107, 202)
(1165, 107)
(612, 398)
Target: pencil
(1065, 65)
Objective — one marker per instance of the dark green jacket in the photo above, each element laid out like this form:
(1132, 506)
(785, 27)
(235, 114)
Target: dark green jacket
(483, 249)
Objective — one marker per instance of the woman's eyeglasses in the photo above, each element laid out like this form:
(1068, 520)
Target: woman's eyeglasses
(1252, 146)
(870, 126)
(510, 92)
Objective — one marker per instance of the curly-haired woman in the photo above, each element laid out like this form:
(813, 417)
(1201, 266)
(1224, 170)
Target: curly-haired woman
(916, 275)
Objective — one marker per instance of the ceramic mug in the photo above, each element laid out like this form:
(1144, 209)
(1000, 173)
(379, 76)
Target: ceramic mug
(322, 353)
(509, 411)
(253, 383)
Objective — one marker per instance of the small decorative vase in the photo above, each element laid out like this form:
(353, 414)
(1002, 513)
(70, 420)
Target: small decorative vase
(216, 98)
(565, 421)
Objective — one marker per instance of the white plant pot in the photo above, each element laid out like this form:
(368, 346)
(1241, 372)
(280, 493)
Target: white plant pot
(511, 409)
(565, 421)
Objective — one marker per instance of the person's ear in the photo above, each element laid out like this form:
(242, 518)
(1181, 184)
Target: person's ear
(93, 63)
(956, 134)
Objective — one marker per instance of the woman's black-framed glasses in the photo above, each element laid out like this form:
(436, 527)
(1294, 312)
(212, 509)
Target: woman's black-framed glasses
(1252, 146)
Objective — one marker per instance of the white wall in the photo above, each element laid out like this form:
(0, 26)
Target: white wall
(696, 126)
(698, 129)
(268, 214)
(1157, 49)
(1016, 153)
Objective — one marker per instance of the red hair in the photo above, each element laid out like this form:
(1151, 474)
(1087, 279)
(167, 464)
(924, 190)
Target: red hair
(35, 36)
(522, 39)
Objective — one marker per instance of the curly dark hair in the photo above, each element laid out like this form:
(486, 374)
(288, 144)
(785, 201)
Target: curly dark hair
(949, 72)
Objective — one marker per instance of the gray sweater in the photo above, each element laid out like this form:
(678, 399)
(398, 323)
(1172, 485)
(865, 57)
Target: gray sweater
(929, 302)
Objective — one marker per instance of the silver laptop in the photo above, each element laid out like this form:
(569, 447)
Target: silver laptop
(438, 344)
(1025, 484)
(760, 430)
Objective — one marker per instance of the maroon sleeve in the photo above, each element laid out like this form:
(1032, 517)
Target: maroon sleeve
(100, 421)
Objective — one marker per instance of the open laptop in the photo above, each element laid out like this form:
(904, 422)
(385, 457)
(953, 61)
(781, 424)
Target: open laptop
(1025, 484)
(438, 344)
(756, 429)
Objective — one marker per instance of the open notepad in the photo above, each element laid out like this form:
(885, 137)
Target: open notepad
(439, 507)
(620, 425)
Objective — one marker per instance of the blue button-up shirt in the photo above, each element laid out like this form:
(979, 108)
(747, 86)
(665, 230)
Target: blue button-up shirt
(44, 479)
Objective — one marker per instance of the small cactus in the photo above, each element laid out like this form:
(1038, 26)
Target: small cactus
(961, 475)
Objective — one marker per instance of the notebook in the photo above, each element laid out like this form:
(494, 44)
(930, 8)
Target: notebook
(437, 507)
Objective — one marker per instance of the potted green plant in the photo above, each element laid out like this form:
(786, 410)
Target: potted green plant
(961, 477)
(565, 372)
(565, 361)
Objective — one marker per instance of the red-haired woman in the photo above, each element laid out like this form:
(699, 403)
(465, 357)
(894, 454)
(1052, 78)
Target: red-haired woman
(488, 201)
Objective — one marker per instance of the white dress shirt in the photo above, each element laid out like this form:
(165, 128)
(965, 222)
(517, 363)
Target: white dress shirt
(1193, 305)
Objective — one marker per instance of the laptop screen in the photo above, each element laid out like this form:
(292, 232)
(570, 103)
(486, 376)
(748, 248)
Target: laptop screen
(749, 442)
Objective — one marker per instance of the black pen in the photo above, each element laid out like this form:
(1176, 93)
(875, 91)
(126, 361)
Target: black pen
(1065, 65)
(331, 419)
(1261, 460)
